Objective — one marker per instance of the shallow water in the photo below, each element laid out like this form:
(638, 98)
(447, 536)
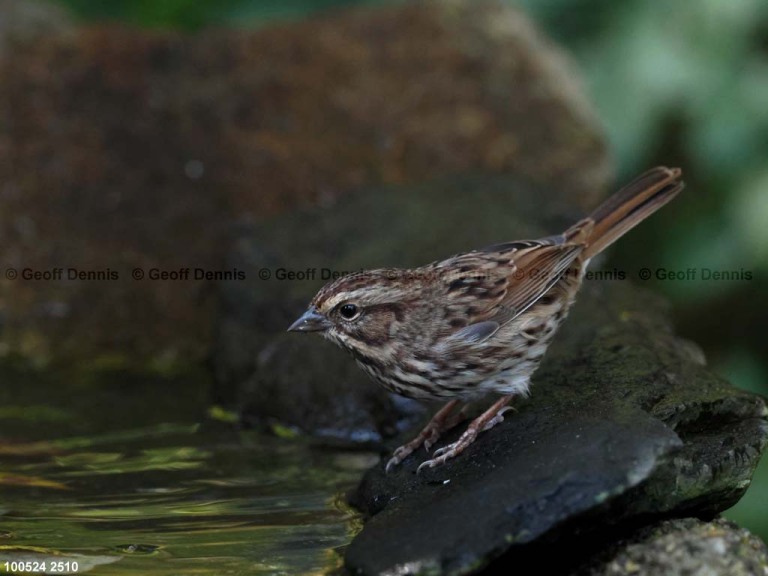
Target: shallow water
(167, 498)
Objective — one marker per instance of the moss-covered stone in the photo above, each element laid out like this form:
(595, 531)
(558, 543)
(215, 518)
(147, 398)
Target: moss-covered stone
(682, 548)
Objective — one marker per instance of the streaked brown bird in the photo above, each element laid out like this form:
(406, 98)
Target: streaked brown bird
(477, 323)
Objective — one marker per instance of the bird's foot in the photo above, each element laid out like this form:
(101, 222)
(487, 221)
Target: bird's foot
(487, 420)
(451, 450)
(497, 419)
(439, 423)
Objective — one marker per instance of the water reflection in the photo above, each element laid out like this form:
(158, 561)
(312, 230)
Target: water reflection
(173, 500)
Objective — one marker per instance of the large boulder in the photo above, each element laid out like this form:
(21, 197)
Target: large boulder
(124, 149)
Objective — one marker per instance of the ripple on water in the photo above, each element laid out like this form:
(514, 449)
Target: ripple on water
(171, 500)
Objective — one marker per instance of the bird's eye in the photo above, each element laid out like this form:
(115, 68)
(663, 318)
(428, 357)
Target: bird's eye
(349, 311)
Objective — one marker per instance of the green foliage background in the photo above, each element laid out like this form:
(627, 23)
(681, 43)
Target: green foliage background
(675, 82)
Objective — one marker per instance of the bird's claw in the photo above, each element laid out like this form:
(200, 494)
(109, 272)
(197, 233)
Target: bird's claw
(431, 434)
(498, 419)
(428, 436)
(440, 457)
(397, 456)
(434, 436)
(427, 464)
(449, 451)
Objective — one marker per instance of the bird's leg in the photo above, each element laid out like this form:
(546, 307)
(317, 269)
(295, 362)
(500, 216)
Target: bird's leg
(439, 423)
(450, 421)
(486, 421)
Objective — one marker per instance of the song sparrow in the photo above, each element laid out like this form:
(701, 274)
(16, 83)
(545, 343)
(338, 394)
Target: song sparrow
(476, 323)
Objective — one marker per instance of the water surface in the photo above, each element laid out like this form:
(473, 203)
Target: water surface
(170, 495)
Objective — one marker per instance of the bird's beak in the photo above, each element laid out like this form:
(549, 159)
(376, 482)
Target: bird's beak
(311, 321)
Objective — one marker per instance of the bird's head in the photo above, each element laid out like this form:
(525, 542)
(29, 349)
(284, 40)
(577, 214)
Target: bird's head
(361, 312)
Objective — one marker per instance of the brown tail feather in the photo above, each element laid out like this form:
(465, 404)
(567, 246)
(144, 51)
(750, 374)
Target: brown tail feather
(628, 207)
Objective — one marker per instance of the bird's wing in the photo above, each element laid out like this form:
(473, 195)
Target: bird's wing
(486, 288)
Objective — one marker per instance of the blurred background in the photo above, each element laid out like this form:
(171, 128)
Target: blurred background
(673, 82)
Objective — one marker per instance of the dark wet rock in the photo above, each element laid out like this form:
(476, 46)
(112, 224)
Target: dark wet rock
(123, 148)
(305, 383)
(332, 402)
(684, 547)
(625, 424)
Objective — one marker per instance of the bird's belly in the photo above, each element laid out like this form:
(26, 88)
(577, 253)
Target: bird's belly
(501, 365)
